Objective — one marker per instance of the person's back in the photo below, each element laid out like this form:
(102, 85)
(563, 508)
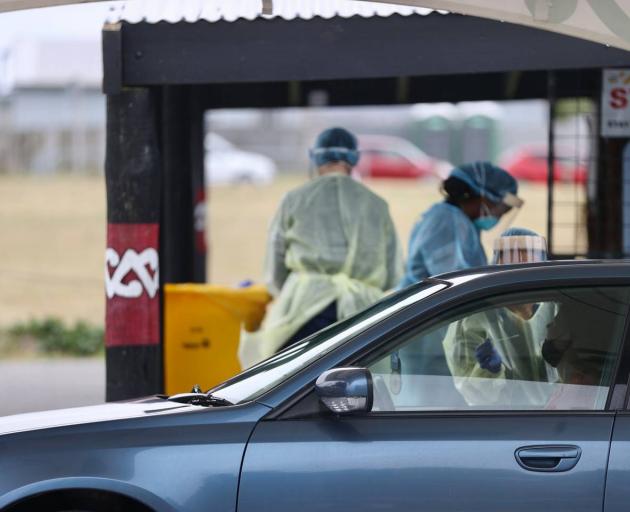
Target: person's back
(332, 251)
(333, 225)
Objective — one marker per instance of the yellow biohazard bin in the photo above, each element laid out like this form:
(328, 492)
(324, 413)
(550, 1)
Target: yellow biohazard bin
(202, 327)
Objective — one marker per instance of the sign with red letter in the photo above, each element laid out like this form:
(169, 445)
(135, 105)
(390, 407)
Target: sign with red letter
(616, 103)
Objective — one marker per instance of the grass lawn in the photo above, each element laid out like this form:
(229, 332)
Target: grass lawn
(53, 237)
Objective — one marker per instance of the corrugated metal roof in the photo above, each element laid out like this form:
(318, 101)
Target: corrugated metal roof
(174, 11)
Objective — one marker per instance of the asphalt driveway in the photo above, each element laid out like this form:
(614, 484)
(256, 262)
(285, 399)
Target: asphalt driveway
(35, 385)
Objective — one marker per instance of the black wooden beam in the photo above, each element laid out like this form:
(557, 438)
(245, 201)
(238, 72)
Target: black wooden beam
(318, 49)
(386, 91)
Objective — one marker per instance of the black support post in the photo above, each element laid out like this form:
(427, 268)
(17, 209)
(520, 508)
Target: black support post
(605, 203)
(183, 214)
(551, 98)
(197, 152)
(133, 180)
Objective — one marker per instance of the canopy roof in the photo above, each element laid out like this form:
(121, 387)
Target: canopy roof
(156, 42)
(603, 21)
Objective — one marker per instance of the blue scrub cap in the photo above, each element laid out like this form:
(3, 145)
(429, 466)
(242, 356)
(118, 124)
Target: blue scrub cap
(335, 145)
(487, 180)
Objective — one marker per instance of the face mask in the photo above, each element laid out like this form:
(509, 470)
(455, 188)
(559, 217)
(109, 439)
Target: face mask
(486, 223)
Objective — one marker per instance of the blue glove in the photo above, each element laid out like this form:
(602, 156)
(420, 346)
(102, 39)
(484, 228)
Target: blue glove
(487, 357)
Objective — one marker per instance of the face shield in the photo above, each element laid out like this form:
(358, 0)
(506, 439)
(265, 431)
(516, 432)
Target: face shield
(519, 249)
(511, 206)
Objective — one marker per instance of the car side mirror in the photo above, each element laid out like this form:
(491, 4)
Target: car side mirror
(346, 390)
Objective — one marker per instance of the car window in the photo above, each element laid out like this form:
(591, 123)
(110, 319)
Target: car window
(550, 350)
(262, 377)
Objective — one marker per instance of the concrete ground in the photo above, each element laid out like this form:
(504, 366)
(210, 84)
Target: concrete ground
(40, 384)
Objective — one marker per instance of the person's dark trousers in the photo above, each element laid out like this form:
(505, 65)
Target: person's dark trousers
(324, 318)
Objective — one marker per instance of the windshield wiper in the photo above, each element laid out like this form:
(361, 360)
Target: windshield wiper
(203, 399)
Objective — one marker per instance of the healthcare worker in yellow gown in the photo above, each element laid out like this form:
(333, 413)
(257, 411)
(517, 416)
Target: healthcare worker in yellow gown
(495, 356)
(332, 251)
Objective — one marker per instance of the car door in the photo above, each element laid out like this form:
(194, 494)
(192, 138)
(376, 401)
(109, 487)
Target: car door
(446, 433)
(617, 494)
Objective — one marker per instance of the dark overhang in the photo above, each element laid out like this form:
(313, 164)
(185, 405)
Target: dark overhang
(394, 59)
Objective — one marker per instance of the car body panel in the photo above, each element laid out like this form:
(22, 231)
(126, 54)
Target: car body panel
(617, 483)
(226, 164)
(530, 163)
(457, 462)
(191, 458)
(387, 156)
(89, 414)
(186, 459)
(101, 484)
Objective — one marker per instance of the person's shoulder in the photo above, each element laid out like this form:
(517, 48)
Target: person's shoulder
(450, 213)
(297, 192)
(439, 212)
(368, 193)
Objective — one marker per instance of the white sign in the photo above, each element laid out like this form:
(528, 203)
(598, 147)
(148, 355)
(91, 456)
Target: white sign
(616, 103)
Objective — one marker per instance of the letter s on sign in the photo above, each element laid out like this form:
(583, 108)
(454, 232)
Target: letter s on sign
(619, 98)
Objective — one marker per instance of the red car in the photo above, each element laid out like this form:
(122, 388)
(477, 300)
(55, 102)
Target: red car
(529, 163)
(386, 156)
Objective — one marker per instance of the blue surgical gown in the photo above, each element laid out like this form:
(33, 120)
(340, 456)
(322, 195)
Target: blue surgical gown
(443, 240)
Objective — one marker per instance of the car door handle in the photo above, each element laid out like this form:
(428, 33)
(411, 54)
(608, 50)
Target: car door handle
(548, 458)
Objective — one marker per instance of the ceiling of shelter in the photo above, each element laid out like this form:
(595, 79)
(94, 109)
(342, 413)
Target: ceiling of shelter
(603, 21)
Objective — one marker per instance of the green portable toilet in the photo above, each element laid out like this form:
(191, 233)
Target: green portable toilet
(478, 132)
(433, 129)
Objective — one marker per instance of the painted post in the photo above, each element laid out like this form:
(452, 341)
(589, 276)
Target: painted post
(156, 226)
(132, 262)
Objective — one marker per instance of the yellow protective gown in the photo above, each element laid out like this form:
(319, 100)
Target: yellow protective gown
(523, 379)
(332, 239)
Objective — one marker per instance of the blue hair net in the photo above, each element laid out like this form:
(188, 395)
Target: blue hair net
(335, 145)
(519, 232)
(487, 180)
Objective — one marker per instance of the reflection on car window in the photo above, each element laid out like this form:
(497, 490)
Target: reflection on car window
(552, 350)
(255, 381)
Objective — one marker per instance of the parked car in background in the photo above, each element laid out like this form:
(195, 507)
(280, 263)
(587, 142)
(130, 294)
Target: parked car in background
(529, 163)
(386, 156)
(351, 419)
(227, 164)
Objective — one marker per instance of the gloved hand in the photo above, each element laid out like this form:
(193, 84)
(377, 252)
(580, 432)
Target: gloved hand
(487, 357)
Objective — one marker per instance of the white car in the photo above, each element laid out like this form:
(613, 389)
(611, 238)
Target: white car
(226, 164)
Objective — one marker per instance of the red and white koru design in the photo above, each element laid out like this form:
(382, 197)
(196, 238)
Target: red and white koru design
(132, 282)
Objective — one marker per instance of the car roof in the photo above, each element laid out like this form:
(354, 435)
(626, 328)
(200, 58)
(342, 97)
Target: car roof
(603, 267)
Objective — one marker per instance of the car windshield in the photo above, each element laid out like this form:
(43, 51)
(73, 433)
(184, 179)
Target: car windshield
(266, 375)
